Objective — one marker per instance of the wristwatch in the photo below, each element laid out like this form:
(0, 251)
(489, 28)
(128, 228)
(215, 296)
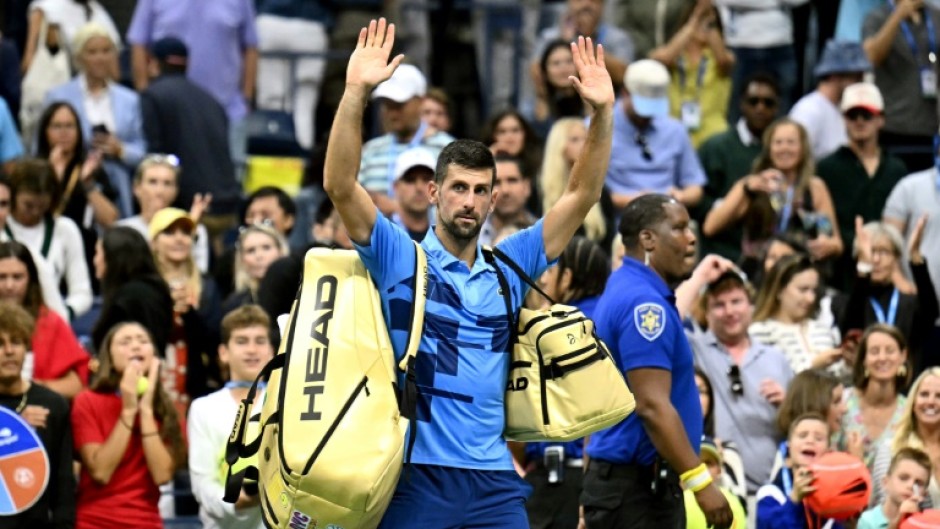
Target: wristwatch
(864, 268)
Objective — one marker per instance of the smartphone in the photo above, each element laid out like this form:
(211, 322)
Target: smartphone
(100, 128)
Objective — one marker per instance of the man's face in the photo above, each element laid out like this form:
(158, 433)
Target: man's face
(157, 188)
(586, 14)
(729, 314)
(464, 198)
(401, 119)
(247, 351)
(269, 209)
(12, 353)
(673, 249)
(412, 190)
(862, 125)
(759, 107)
(514, 189)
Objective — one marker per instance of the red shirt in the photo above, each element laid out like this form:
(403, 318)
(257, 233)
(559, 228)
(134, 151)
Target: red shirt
(130, 497)
(56, 351)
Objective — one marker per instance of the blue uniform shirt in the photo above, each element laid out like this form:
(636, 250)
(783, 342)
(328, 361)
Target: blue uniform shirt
(638, 320)
(462, 363)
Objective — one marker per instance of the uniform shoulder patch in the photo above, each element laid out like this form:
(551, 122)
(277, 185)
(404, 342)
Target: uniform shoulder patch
(650, 320)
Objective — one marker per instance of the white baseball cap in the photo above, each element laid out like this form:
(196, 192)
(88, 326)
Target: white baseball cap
(416, 157)
(406, 83)
(863, 95)
(648, 83)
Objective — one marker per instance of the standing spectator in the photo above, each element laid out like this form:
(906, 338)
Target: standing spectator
(296, 26)
(652, 152)
(128, 443)
(861, 170)
(48, 413)
(701, 69)
(68, 17)
(10, 145)
(435, 109)
(222, 44)
(851, 16)
(258, 246)
(414, 169)
(749, 378)
(729, 156)
(842, 64)
(900, 39)
(649, 24)
(109, 114)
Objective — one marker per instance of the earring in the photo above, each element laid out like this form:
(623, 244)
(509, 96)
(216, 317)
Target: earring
(647, 260)
(866, 374)
(902, 371)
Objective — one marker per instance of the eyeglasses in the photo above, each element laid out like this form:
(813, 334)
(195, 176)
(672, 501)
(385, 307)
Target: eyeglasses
(734, 375)
(645, 146)
(855, 113)
(168, 159)
(768, 102)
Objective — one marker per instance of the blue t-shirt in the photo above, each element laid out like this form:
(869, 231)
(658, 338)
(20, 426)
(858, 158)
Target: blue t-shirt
(638, 320)
(463, 361)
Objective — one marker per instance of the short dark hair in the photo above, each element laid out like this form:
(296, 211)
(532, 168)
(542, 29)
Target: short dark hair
(35, 175)
(469, 154)
(763, 78)
(17, 322)
(503, 157)
(283, 199)
(15, 250)
(589, 267)
(642, 213)
(808, 416)
(242, 318)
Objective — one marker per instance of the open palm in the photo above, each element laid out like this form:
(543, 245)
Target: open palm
(593, 82)
(368, 64)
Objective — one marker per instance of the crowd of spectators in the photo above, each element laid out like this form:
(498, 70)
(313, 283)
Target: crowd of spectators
(129, 247)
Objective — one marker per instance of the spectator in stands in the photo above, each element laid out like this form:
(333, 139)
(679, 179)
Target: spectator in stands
(131, 287)
(785, 316)
(258, 246)
(781, 196)
(652, 152)
(842, 64)
(109, 114)
(293, 26)
(414, 169)
(222, 44)
(875, 404)
(510, 133)
(10, 145)
(900, 40)
(555, 96)
(182, 119)
(435, 109)
(851, 16)
(649, 25)
(863, 173)
(245, 349)
(813, 391)
(68, 17)
(129, 442)
(777, 248)
(562, 149)
(729, 156)
(156, 186)
(48, 414)
(701, 68)
(749, 378)
(761, 37)
(511, 192)
(35, 197)
(191, 366)
(56, 359)
(400, 107)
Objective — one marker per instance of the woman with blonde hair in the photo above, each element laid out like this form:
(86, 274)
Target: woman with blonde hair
(258, 246)
(782, 196)
(562, 148)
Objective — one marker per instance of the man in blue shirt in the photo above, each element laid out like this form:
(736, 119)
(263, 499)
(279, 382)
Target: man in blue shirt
(633, 478)
(462, 473)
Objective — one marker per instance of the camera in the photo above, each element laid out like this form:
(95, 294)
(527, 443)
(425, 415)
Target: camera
(554, 460)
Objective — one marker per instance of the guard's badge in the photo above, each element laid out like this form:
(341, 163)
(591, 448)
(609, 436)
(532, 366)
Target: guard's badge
(650, 320)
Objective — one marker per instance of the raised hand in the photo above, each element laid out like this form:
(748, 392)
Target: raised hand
(917, 235)
(200, 206)
(368, 65)
(152, 374)
(592, 82)
(862, 241)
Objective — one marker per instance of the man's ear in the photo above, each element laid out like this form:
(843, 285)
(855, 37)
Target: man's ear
(433, 190)
(647, 240)
(493, 197)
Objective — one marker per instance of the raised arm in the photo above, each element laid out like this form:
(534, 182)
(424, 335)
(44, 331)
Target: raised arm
(587, 176)
(368, 66)
(878, 46)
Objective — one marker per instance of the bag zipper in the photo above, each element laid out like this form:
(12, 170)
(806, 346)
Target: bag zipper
(342, 413)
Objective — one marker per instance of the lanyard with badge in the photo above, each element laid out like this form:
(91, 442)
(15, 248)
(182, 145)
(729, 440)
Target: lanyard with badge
(393, 157)
(892, 315)
(691, 109)
(928, 72)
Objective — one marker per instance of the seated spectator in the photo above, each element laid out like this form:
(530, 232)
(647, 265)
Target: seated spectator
(729, 156)
(156, 186)
(68, 17)
(128, 442)
(732, 467)
(784, 317)
(258, 246)
(511, 193)
(35, 198)
(435, 109)
(10, 145)
(905, 488)
(414, 169)
(562, 149)
(48, 414)
(56, 359)
(701, 68)
(651, 151)
(131, 287)
(109, 114)
(245, 349)
(781, 196)
(861, 170)
(555, 96)
(842, 64)
(509, 133)
(399, 100)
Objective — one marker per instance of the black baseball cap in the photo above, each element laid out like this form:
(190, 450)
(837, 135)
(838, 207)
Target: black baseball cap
(170, 50)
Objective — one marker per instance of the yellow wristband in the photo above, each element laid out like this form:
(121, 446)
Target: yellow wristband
(699, 483)
(689, 474)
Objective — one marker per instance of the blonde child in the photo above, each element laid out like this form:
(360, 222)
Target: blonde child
(904, 487)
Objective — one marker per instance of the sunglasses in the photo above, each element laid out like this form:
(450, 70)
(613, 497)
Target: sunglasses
(768, 102)
(644, 146)
(854, 114)
(734, 376)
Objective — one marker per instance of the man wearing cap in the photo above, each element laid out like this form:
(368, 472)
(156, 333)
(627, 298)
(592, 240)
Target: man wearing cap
(399, 100)
(414, 169)
(652, 152)
(510, 211)
(861, 171)
(842, 64)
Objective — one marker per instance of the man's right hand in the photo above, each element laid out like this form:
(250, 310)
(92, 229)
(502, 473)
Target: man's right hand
(715, 506)
(368, 65)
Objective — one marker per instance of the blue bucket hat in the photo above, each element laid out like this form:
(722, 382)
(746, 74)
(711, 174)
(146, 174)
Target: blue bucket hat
(842, 57)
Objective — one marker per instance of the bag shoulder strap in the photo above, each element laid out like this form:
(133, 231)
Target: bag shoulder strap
(505, 291)
(518, 270)
(408, 406)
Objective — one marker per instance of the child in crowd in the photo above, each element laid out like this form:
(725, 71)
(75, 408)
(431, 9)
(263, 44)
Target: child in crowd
(904, 487)
(780, 503)
(694, 517)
